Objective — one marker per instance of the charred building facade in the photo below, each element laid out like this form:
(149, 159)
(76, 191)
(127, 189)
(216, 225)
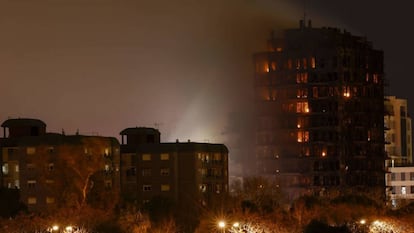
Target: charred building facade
(319, 95)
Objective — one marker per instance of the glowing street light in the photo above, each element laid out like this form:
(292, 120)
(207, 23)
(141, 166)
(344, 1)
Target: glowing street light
(222, 225)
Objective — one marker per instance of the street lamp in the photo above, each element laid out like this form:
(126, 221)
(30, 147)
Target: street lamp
(222, 225)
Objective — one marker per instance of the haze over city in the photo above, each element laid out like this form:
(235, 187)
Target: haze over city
(99, 66)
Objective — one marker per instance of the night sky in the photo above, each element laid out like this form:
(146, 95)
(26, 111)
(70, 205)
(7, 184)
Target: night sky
(99, 66)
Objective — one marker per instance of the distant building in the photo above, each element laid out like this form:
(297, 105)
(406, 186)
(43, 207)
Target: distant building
(187, 173)
(398, 131)
(400, 168)
(319, 95)
(48, 168)
(400, 185)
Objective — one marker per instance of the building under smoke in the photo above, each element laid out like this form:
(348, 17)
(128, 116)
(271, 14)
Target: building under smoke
(319, 113)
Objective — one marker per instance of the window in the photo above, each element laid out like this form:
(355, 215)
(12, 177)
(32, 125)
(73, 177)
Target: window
(402, 176)
(203, 188)
(302, 107)
(303, 136)
(106, 152)
(30, 150)
(165, 156)
(51, 149)
(131, 171)
(403, 190)
(51, 166)
(411, 175)
(146, 172)
(108, 184)
(146, 187)
(50, 200)
(217, 157)
(5, 169)
(31, 200)
(49, 181)
(313, 63)
(165, 187)
(146, 157)
(392, 176)
(31, 183)
(165, 172)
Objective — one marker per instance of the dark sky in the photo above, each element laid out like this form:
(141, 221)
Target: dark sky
(183, 65)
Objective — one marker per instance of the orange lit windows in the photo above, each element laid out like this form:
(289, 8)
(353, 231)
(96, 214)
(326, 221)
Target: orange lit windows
(375, 78)
(262, 66)
(303, 136)
(301, 77)
(302, 107)
(302, 93)
(274, 65)
(347, 92)
(297, 64)
(313, 63)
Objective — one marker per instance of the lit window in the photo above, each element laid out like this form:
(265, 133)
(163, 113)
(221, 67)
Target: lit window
(146, 157)
(403, 190)
(106, 151)
(16, 168)
(17, 184)
(165, 187)
(301, 77)
(203, 188)
(313, 63)
(165, 156)
(31, 200)
(375, 78)
(31, 183)
(305, 63)
(302, 107)
(347, 92)
(303, 136)
(30, 150)
(5, 169)
(50, 200)
(217, 157)
(274, 65)
(107, 167)
(49, 181)
(146, 187)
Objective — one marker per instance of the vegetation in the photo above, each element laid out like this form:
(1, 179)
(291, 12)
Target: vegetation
(254, 206)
